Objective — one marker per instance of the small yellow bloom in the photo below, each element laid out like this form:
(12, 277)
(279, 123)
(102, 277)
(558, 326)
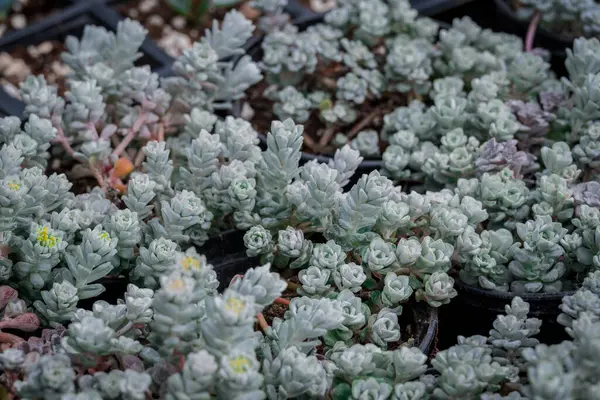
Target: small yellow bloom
(45, 238)
(235, 305)
(190, 262)
(14, 186)
(104, 235)
(240, 364)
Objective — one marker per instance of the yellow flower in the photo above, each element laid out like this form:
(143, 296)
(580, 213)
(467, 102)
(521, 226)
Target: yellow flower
(190, 262)
(240, 364)
(14, 186)
(235, 305)
(104, 235)
(45, 238)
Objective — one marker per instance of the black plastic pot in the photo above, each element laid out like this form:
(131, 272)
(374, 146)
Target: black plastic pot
(227, 254)
(507, 21)
(474, 310)
(426, 8)
(422, 321)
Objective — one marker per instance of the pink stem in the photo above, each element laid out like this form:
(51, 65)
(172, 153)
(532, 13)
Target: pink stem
(98, 176)
(62, 139)
(139, 158)
(531, 31)
(132, 132)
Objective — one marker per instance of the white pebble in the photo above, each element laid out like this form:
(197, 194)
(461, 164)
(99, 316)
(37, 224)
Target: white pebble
(147, 5)
(5, 60)
(175, 43)
(18, 69)
(247, 112)
(18, 21)
(133, 13)
(59, 68)
(45, 47)
(178, 22)
(156, 20)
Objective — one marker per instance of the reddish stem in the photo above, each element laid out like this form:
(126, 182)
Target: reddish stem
(139, 158)
(281, 300)
(161, 133)
(132, 132)
(62, 139)
(531, 31)
(264, 325)
(362, 124)
(98, 176)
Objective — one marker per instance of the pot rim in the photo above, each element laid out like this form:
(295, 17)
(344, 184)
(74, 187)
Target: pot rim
(496, 294)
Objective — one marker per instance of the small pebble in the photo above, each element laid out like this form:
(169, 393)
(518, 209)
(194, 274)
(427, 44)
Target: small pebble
(178, 22)
(133, 13)
(45, 47)
(18, 69)
(175, 43)
(194, 33)
(18, 21)
(156, 20)
(247, 112)
(321, 6)
(147, 5)
(56, 163)
(33, 51)
(5, 60)
(59, 68)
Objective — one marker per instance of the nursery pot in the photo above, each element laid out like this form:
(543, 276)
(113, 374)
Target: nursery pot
(227, 255)
(255, 51)
(506, 20)
(474, 310)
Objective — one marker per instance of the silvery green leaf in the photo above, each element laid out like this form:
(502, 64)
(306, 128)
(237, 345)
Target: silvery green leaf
(293, 374)
(345, 160)
(50, 377)
(259, 282)
(396, 290)
(349, 276)
(384, 328)
(233, 32)
(314, 281)
(371, 389)
(258, 241)
(438, 289)
(379, 255)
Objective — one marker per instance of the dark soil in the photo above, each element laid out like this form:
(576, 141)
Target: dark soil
(34, 11)
(369, 114)
(39, 64)
(192, 29)
(278, 310)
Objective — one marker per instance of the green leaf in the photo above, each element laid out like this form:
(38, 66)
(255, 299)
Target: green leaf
(342, 391)
(375, 295)
(370, 284)
(363, 335)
